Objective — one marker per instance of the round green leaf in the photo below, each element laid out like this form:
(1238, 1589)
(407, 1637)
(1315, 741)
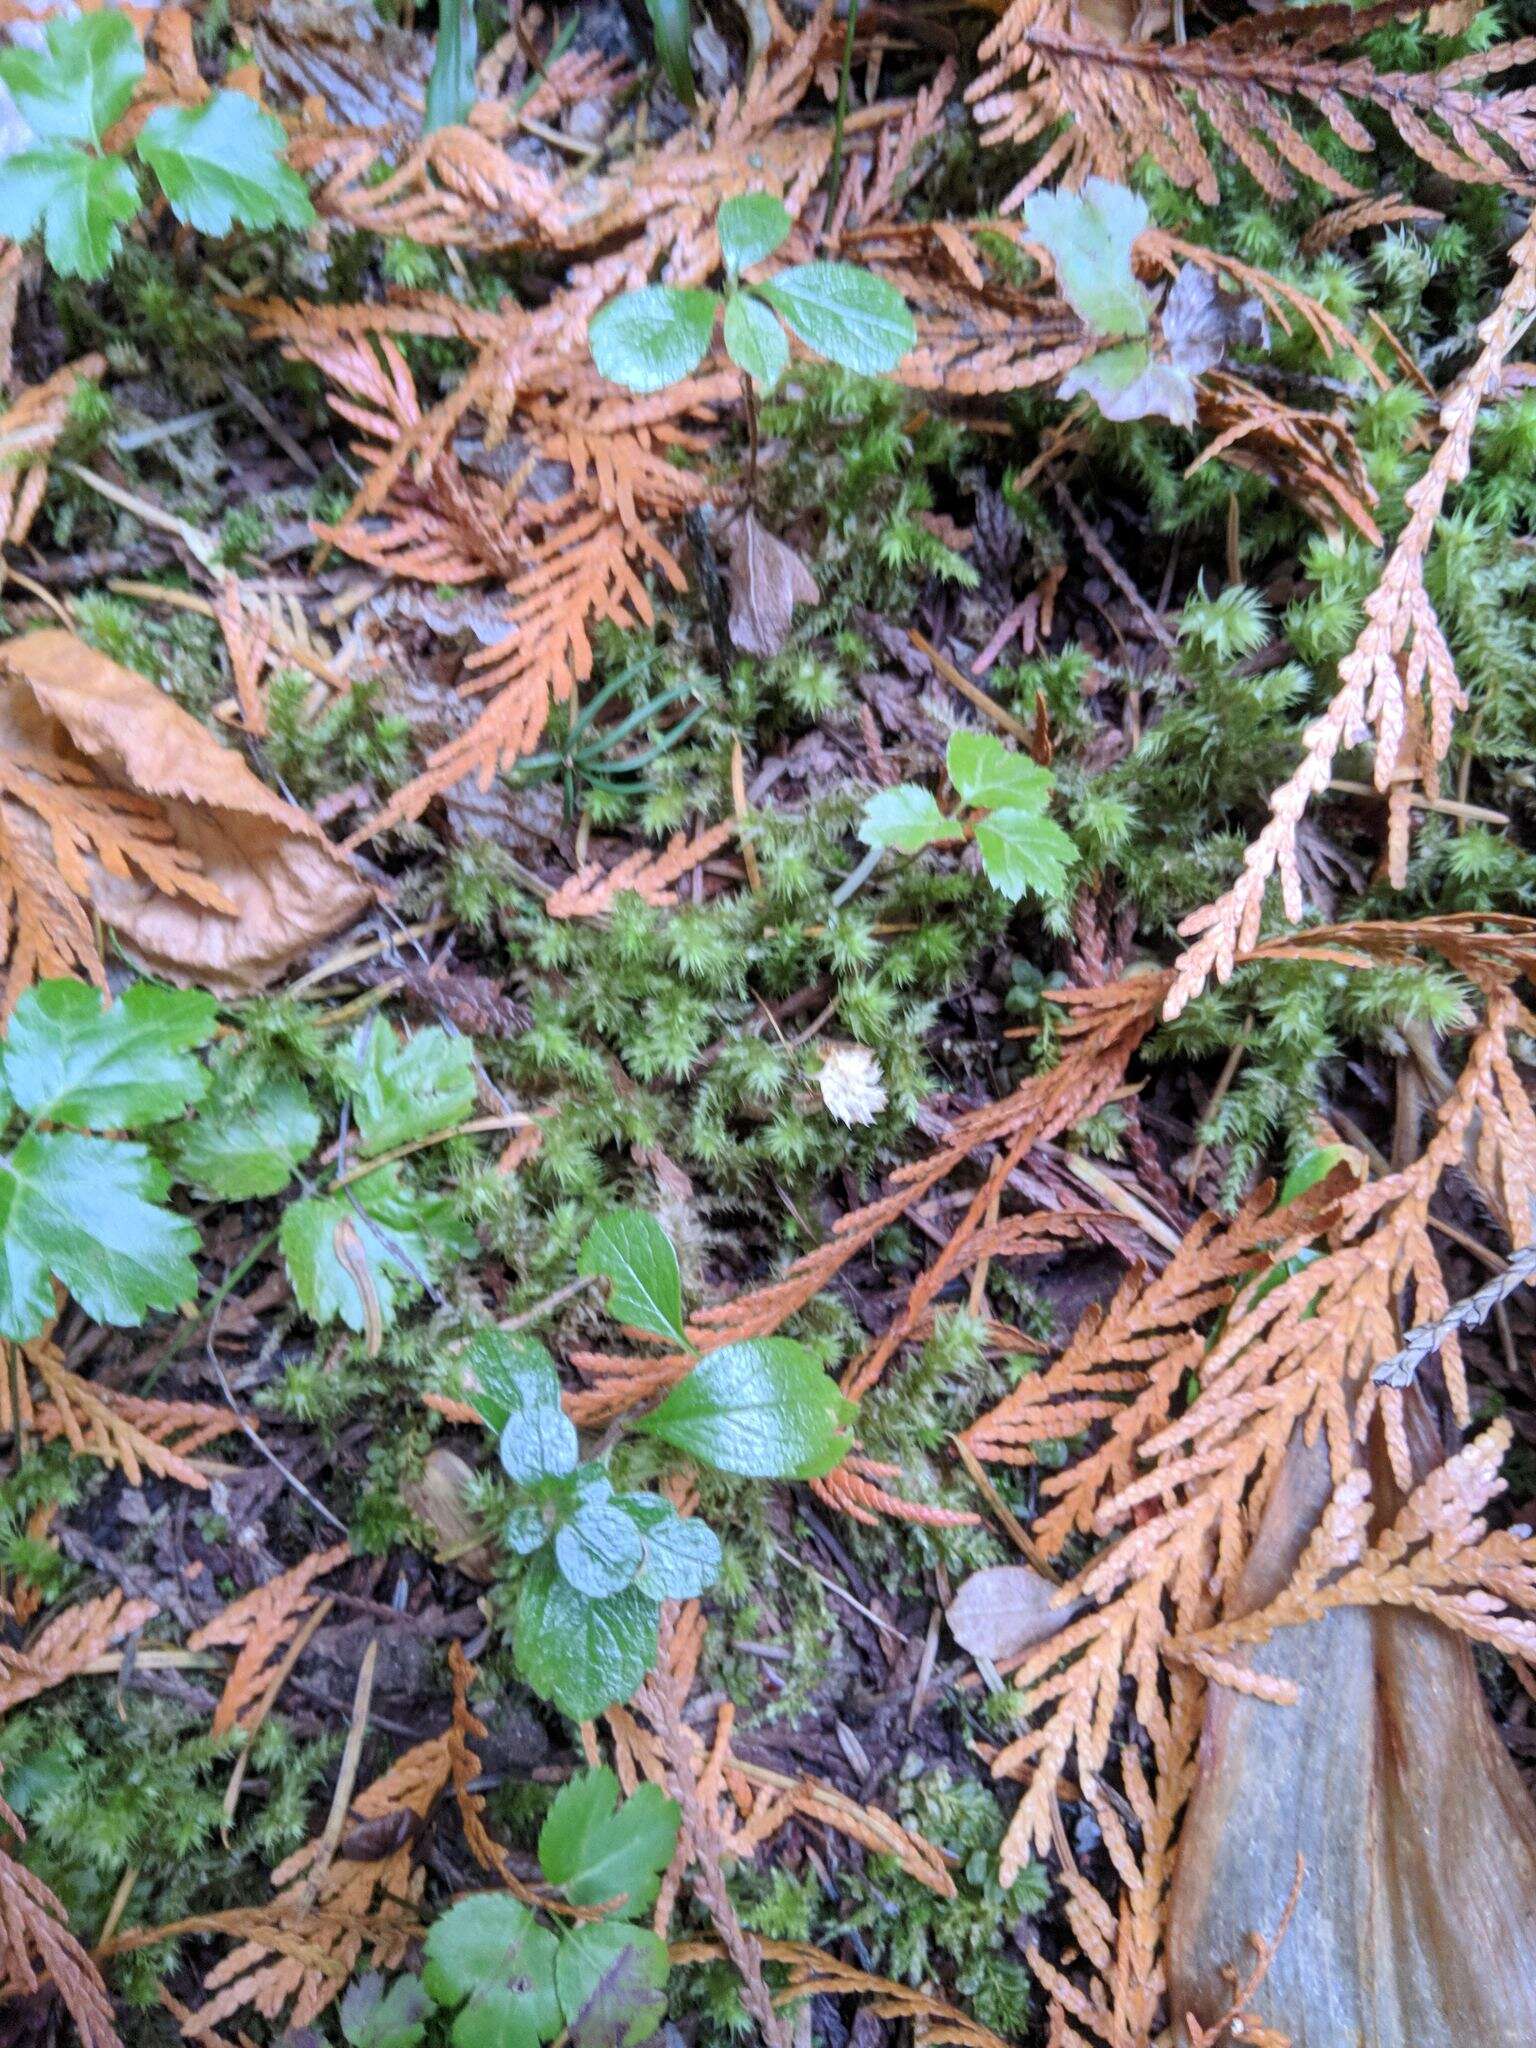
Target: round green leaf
(243, 1154)
(602, 1853)
(846, 314)
(763, 1408)
(538, 1443)
(583, 1654)
(507, 1373)
(598, 1549)
(682, 1553)
(525, 1530)
(489, 1957)
(754, 340)
(751, 226)
(653, 337)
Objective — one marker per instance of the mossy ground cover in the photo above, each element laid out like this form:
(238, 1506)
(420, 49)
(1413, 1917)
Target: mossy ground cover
(671, 1055)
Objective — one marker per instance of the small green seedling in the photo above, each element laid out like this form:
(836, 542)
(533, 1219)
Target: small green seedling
(601, 1563)
(509, 1981)
(218, 164)
(1004, 796)
(660, 334)
(1091, 235)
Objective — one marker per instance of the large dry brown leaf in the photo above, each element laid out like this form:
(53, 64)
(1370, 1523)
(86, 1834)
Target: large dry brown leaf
(269, 885)
(767, 579)
(1415, 1926)
(1004, 1609)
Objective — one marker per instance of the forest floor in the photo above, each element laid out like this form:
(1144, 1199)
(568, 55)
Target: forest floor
(357, 503)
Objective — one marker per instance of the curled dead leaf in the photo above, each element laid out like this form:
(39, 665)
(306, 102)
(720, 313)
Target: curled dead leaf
(117, 796)
(1004, 1610)
(438, 1498)
(1414, 1927)
(767, 579)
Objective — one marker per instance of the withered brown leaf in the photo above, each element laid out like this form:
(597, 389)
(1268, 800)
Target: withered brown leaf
(767, 579)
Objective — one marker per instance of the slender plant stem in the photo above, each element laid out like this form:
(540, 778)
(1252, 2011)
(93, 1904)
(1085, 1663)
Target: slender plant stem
(749, 397)
(835, 175)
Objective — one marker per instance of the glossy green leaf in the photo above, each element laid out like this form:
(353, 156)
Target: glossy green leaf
(244, 1153)
(71, 1059)
(489, 1958)
(992, 777)
(451, 83)
(503, 1372)
(77, 88)
(582, 1654)
(403, 1090)
(848, 315)
(672, 25)
(755, 341)
(221, 165)
(653, 337)
(1312, 1169)
(763, 1408)
(906, 818)
(1024, 852)
(598, 1549)
(602, 1853)
(399, 1240)
(525, 1530)
(682, 1552)
(537, 1440)
(630, 1250)
(751, 225)
(89, 1212)
(373, 2017)
(1090, 235)
(610, 1979)
(79, 201)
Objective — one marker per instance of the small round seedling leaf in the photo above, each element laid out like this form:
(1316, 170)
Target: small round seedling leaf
(598, 1549)
(751, 226)
(489, 1958)
(682, 1553)
(848, 315)
(754, 340)
(653, 337)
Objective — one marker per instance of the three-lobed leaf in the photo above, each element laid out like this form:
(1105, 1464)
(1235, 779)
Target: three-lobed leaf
(89, 1212)
(1090, 235)
(751, 226)
(907, 818)
(246, 1152)
(762, 1408)
(1024, 852)
(846, 314)
(80, 202)
(489, 1958)
(602, 1853)
(630, 1250)
(75, 90)
(650, 338)
(221, 163)
(71, 1059)
(583, 1654)
(352, 1259)
(405, 1090)
(990, 776)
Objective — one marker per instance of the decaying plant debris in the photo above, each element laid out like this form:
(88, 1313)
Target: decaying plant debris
(590, 807)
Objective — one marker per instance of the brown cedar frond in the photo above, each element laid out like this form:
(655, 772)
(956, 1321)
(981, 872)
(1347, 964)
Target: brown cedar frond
(70, 1642)
(296, 1959)
(122, 1430)
(1398, 685)
(1124, 99)
(37, 1948)
(1312, 456)
(1438, 1557)
(28, 430)
(653, 877)
(259, 1625)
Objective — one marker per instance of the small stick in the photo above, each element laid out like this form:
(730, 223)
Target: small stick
(346, 1778)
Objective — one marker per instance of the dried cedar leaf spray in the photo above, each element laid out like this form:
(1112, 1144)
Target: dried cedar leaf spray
(1416, 1922)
